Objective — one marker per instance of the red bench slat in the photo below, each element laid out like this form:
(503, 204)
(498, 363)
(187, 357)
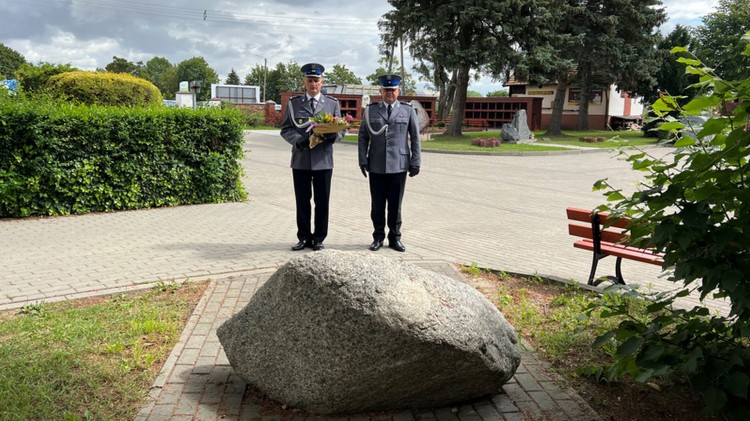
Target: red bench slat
(609, 236)
(632, 253)
(584, 215)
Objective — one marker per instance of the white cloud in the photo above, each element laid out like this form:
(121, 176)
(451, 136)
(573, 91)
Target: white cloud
(682, 11)
(235, 34)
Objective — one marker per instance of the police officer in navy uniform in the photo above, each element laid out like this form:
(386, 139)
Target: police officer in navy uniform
(312, 168)
(389, 148)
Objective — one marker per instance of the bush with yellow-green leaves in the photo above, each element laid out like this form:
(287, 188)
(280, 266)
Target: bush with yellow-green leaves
(104, 88)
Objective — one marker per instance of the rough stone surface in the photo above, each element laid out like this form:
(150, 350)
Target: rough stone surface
(519, 122)
(509, 134)
(517, 131)
(336, 332)
(424, 118)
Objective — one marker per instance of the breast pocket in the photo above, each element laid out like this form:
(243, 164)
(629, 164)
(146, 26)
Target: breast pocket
(377, 124)
(400, 125)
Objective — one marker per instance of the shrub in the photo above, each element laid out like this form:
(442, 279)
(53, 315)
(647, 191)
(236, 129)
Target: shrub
(33, 79)
(58, 159)
(255, 119)
(105, 88)
(695, 207)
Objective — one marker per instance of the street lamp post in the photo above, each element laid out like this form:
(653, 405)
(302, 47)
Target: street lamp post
(265, 77)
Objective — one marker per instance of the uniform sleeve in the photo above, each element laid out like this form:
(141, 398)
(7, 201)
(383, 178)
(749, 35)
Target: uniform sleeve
(415, 143)
(363, 139)
(335, 137)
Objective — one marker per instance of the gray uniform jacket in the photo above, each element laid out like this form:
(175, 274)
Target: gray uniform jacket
(304, 158)
(395, 149)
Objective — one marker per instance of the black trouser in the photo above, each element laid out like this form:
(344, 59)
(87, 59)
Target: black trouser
(307, 182)
(386, 190)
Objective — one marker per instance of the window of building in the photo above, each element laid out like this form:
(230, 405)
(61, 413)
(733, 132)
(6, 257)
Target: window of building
(236, 94)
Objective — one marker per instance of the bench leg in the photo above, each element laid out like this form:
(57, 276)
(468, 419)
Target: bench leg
(594, 264)
(617, 279)
(618, 272)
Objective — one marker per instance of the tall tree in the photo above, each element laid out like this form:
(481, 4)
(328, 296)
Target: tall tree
(121, 65)
(462, 36)
(340, 75)
(545, 48)
(407, 83)
(619, 46)
(255, 77)
(503, 93)
(670, 77)
(232, 78)
(160, 72)
(444, 82)
(10, 61)
(284, 78)
(258, 77)
(197, 69)
(720, 42)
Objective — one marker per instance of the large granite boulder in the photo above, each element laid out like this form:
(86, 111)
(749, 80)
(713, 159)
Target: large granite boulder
(336, 332)
(509, 134)
(517, 131)
(422, 116)
(522, 127)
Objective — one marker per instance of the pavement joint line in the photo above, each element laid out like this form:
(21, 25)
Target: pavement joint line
(135, 286)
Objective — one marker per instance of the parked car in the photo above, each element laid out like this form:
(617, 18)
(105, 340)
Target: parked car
(693, 125)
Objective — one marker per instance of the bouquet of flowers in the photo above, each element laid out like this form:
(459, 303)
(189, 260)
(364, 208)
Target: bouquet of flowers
(326, 124)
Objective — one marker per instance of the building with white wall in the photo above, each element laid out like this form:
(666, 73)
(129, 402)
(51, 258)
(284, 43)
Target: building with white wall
(607, 108)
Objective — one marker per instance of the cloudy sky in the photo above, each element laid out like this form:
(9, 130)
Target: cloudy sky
(229, 34)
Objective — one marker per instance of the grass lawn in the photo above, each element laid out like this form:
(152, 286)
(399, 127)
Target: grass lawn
(545, 313)
(572, 138)
(89, 359)
(96, 358)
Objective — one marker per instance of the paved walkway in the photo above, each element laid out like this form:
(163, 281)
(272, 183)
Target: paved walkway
(500, 212)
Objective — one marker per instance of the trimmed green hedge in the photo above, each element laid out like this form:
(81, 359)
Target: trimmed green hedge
(58, 159)
(104, 88)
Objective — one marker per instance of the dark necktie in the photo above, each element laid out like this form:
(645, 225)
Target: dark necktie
(390, 107)
(312, 104)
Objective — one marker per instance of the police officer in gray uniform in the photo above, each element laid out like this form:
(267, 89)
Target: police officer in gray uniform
(312, 168)
(389, 147)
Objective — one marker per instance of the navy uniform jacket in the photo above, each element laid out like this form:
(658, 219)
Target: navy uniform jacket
(400, 149)
(321, 156)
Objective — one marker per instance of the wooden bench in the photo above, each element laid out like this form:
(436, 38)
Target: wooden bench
(605, 236)
(476, 122)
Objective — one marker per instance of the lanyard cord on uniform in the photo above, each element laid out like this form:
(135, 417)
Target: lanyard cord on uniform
(369, 127)
(299, 126)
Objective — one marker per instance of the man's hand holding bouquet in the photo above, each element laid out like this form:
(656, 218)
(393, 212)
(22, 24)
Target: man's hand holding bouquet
(323, 124)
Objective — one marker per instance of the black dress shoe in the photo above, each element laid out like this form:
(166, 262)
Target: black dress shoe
(376, 245)
(397, 245)
(318, 245)
(299, 246)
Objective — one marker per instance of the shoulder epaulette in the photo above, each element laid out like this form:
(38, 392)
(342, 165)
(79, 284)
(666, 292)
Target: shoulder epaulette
(295, 97)
(333, 98)
(405, 103)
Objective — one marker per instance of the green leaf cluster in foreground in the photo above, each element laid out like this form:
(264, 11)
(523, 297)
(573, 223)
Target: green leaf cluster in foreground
(694, 206)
